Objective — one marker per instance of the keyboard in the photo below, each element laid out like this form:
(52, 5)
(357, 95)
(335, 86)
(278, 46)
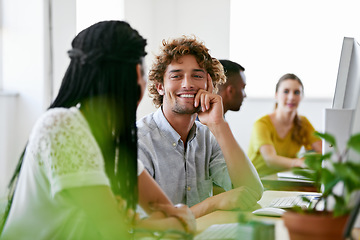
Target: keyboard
(234, 231)
(289, 202)
(226, 231)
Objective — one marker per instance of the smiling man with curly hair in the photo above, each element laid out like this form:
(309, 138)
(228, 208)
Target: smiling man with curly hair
(186, 157)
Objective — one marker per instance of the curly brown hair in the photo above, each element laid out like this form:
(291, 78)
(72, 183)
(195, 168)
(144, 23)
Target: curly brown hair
(174, 49)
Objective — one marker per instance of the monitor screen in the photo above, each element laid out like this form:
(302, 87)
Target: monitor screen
(343, 119)
(348, 80)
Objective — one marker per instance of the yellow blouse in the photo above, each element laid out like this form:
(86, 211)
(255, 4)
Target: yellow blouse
(264, 133)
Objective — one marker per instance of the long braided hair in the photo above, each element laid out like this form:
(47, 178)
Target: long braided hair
(102, 80)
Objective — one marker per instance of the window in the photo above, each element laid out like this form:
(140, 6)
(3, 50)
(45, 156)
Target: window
(271, 38)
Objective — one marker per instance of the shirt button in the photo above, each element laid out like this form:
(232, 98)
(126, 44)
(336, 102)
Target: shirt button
(174, 144)
(188, 188)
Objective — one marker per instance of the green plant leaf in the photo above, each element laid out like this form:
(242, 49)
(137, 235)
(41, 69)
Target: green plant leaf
(340, 207)
(329, 180)
(305, 199)
(327, 155)
(343, 171)
(354, 142)
(314, 160)
(327, 137)
(349, 173)
(297, 209)
(351, 180)
(308, 173)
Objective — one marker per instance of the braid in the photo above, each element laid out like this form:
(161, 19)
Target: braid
(106, 55)
(298, 135)
(102, 75)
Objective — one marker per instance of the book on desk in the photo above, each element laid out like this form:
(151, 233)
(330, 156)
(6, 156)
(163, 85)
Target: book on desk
(287, 181)
(291, 175)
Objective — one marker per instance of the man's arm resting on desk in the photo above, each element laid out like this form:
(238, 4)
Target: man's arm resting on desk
(242, 172)
(248, 188)
(241, 198)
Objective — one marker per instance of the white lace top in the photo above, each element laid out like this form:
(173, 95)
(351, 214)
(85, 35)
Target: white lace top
(61, 153)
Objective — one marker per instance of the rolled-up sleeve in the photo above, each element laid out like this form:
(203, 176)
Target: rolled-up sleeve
(218, 169)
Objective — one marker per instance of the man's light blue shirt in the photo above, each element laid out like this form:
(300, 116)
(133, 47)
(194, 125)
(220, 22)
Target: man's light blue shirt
(186, 176)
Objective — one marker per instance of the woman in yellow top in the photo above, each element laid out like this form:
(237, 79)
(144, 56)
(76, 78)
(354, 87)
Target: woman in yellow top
(277, 137)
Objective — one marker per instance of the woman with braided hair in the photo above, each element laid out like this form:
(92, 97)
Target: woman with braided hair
(81, 156)
(277, 137)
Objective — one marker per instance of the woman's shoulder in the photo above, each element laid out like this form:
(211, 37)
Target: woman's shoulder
(263, 123)
(264, 119)
(304, 119)
(56, 118)
(57, 113)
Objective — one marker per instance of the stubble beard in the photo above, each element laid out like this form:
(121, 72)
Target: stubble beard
(181, 109)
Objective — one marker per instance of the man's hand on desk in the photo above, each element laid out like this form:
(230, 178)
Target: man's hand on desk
(241, 198)
(181, 212)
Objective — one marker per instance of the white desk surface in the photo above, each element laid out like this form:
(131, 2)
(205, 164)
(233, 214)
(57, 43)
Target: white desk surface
(219, 217)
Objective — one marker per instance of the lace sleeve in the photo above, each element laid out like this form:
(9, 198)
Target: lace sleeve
(68, 151)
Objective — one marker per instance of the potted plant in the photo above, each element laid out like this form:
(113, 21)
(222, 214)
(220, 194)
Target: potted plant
(327, 171)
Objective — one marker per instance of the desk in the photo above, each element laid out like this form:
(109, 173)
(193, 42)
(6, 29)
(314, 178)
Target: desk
(219, 217)
(281, 233)
(273, 182)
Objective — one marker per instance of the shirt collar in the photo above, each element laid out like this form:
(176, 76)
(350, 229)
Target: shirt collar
(168, 131)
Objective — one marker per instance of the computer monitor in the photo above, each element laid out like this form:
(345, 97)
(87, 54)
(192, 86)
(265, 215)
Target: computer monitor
(343, 119)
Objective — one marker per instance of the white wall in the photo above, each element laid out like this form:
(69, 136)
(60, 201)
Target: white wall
(24, 58)
(8, 102)
(1, 55)
(89, 12)
(63, 30)
(27, 68)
